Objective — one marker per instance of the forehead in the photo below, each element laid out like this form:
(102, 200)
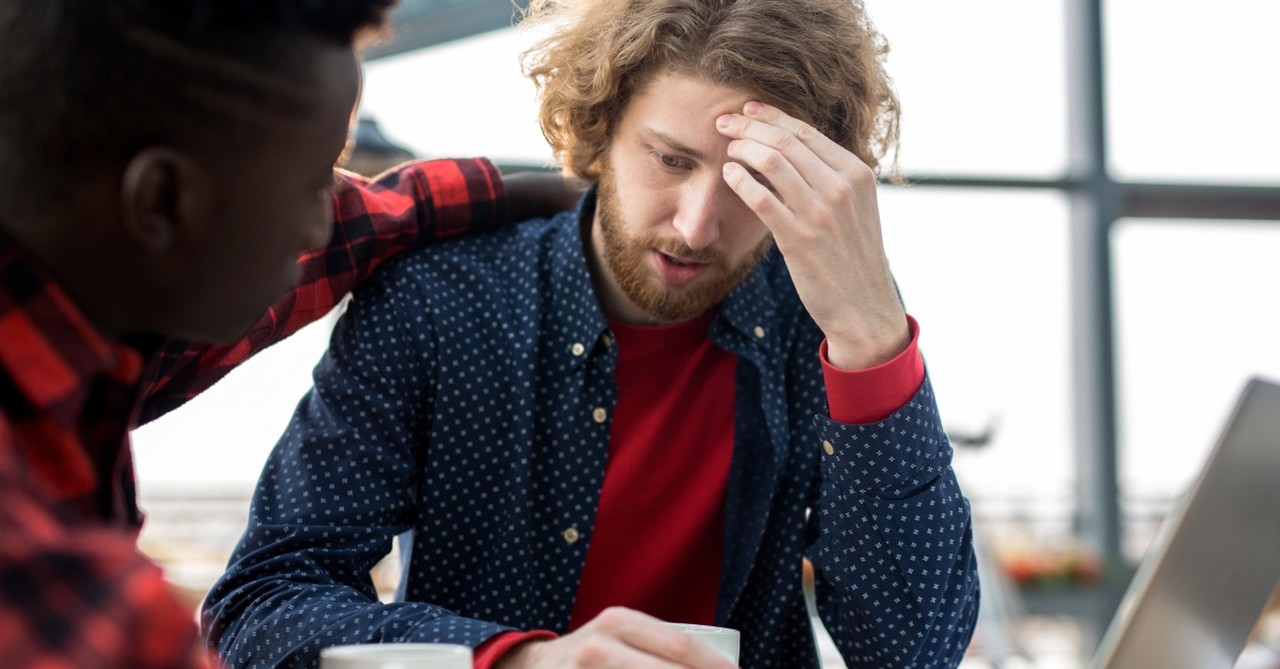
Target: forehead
(325, 89)
(331, 81)
(682, 107)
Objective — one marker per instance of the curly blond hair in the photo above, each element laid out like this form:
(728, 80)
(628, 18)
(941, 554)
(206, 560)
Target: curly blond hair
(821, 61)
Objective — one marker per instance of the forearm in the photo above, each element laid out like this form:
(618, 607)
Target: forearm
(80, 597)
(417, 204)
(305, 588)
(889, 499)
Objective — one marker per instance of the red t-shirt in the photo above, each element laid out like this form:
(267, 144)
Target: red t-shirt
(657, 537)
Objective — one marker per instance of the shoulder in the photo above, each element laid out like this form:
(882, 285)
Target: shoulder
(483, 280)
(518, 250)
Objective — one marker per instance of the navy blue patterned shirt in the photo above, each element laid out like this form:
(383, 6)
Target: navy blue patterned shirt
(456, 408)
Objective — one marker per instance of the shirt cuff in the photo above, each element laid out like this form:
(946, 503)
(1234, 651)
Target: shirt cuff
(875, 393)
(489, 652)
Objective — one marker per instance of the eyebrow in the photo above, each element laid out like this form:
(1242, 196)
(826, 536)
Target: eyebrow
(673, 143)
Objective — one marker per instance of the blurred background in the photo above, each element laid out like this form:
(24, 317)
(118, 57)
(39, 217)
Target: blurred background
(1089, 242)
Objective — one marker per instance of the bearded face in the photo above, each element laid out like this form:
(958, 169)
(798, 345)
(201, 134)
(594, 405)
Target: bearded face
(670, 239)
(634, 260)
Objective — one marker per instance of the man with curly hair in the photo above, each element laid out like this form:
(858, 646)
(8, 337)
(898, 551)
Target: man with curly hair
(651, 409)
(166, 177)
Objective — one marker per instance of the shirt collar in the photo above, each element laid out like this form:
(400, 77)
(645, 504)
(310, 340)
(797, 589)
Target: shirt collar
(579, 319)
(52, 352)
(749, 320)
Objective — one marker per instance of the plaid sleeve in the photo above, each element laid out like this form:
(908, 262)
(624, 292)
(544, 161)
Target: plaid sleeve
(80, 598)
(415, 204)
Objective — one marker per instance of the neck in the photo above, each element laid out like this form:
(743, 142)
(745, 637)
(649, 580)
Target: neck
(91, 268)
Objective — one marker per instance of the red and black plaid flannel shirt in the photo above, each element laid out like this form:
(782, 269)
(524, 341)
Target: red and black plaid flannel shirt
(74, 591)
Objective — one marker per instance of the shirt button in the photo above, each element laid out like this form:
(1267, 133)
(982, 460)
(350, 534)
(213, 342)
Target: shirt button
(758, 332)
(599, 415)
(606, 340)
(826, 446)
(578, 349)
(571, 536)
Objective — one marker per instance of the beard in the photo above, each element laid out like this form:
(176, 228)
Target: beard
(628, 259)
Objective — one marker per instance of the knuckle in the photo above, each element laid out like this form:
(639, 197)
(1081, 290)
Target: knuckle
(805, 132)
(863, 176)
(842, 191)
(773, 162)
(759, 201)
(682, 646)
(782, 140)
(612, 618)
(592, 652)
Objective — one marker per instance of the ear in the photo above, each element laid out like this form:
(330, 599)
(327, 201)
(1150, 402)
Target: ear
(164, 197)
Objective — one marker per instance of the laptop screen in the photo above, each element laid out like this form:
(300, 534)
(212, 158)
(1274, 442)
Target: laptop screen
(1216, 559)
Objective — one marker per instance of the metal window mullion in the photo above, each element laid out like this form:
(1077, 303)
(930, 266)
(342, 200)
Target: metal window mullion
(1095, 206)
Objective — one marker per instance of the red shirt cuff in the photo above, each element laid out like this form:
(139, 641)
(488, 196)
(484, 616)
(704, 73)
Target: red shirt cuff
(489, 652)
(869, 395)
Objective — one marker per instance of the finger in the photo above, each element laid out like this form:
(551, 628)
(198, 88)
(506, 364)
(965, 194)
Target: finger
(765, 203)
(658, 639)
(833, 173)
(773, 151)
(667, 644)
(804, 188)
(822, 146)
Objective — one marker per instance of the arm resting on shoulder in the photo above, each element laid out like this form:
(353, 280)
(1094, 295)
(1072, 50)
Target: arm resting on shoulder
(415, 204)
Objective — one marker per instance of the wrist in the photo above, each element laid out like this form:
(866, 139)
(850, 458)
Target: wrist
(852, 354)
(519, 655)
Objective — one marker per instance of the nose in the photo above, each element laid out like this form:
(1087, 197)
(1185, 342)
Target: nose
(698, 217)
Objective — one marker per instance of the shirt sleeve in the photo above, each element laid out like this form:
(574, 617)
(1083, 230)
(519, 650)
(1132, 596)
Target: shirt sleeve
(489, 652)
(78, 597)
(305, 556)
(889, 495)
(413, 205)
(869, 395)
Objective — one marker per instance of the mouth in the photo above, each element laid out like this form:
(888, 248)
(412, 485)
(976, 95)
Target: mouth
(678, 271)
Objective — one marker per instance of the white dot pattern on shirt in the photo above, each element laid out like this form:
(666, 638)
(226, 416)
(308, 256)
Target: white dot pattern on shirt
(453, 405)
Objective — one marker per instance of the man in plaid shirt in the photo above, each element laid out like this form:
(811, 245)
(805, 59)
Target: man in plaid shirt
(165, 177)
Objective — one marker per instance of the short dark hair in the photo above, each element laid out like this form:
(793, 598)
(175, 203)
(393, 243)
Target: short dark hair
(85, 83)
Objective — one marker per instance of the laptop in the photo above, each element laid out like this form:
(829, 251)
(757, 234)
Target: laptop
(1216, 558)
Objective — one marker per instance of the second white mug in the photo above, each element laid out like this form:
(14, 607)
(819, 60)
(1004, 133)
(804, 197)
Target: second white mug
(396, 656)
(722, 639)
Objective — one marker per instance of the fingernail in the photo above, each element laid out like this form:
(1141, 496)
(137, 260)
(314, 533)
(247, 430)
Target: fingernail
(724, 121)
(753, 107)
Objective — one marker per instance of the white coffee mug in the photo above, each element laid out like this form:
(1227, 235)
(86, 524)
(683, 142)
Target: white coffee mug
(721, 639)
(396, 656)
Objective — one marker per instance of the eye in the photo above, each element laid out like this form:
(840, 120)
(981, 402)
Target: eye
(670, 162)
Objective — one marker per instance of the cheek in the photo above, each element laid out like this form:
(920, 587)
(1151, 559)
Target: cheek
(644, 205)
(302, 217)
